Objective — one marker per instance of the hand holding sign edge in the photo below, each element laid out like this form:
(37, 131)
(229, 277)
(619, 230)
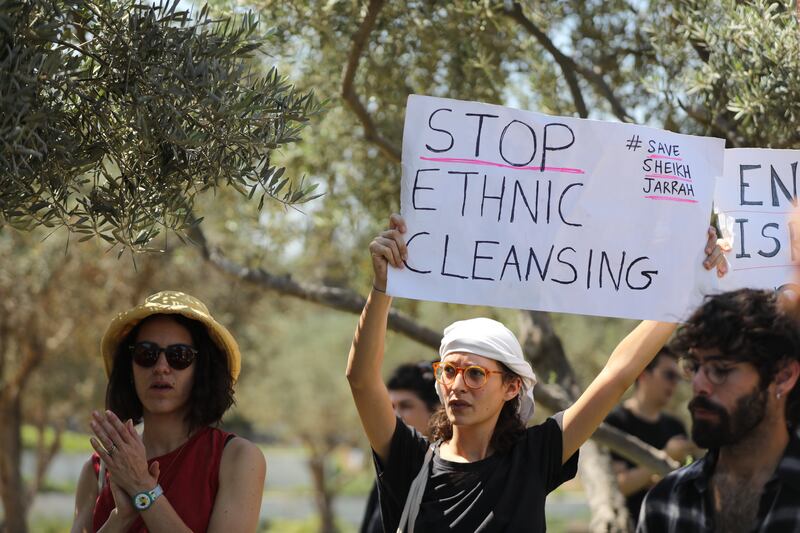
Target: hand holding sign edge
(388, 248)
(715, 253)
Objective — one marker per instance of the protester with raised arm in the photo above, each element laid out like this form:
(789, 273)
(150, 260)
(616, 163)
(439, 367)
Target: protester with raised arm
(486, 471)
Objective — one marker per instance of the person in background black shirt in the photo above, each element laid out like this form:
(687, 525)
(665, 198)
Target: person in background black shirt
(642, 416)
(414, 399)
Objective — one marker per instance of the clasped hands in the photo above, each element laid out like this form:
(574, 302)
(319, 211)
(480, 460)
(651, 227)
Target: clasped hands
(122, 450)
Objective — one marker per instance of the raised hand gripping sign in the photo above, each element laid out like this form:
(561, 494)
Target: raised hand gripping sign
(754, 201)
(518, 209)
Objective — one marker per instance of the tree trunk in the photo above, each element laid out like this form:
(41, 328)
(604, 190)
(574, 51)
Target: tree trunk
(546, 353)
(323, 496)
(12, 489)
(609, 512)
(44, 454)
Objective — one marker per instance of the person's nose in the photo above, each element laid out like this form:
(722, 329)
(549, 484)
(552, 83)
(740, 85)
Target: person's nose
(161, 366)
(459, 383)
(700, 383)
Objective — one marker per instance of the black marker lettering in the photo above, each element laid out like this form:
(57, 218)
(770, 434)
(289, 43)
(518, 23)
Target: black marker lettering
(533, 214)
(561, 201)
(466, 179)
(743, 184)
(408, 244)
(418, 188)
(532, 256)
(741, 222)
(502, 137)
(574, 272)
(430, 125)
(646, 273)
(444, 260)
(775, 179)
(777, 248)
(515, 263)
(546, 147)
(489, 197)
(475, 258)
(480, 116)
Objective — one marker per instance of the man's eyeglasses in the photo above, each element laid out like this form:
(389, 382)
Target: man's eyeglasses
(179, 356)
(717, 371)
(475, 376)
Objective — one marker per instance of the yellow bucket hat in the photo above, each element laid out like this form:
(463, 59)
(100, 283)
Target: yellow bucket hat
(169, 303)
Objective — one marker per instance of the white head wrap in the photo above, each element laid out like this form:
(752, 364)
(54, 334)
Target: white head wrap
(489, 338)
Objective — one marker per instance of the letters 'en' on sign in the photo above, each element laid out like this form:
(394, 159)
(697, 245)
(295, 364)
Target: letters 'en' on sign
(754, 200)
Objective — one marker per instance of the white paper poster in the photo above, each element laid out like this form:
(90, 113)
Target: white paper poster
(518, 209)
(754, 200)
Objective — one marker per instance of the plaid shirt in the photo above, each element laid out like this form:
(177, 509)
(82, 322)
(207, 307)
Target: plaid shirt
(679, 503)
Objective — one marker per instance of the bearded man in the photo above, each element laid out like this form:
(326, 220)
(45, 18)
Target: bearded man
(741, 352)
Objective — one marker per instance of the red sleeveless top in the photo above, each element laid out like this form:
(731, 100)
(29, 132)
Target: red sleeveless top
(189, 476)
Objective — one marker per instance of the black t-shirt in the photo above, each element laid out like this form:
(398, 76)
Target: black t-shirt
(656, 434)
(371, 523)
(504, 492)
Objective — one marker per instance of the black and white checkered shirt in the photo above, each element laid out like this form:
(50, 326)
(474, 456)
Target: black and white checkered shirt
(680, 503)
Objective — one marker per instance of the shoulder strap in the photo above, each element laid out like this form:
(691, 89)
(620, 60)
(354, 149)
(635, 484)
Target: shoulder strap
(415, 493)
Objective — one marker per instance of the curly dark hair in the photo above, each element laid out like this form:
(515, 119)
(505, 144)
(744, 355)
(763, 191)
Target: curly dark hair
(212, 390)
(750, 326)
(508, 429)
(417, 378)
(665, 352)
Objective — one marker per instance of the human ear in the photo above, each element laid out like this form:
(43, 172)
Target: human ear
(786, 378)
(513, 388)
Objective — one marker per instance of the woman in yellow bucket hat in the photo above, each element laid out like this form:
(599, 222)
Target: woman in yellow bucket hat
(172, 366)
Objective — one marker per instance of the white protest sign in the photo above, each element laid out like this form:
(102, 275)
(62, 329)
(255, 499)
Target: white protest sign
(518, 209)
(754, 199)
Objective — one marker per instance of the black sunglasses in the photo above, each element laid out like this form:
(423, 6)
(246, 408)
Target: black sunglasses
(179, 356)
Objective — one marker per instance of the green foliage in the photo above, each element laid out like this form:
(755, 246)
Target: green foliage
(734, 70)
(116, 114)
(682, 65)
(727, 69)
(71, 441)
(445, 48)
(310, 525)
(50, 525)
(299, 374)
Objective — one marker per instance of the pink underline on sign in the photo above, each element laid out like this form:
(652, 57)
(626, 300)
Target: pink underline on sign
(667, 176)
(767, 266)
(493, 164)
(658, 156)
(671, 199)
(755, 211)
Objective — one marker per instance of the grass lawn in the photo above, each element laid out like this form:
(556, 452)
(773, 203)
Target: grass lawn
(71, 441)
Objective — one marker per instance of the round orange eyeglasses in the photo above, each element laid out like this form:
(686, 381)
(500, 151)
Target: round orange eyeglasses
(475, 376)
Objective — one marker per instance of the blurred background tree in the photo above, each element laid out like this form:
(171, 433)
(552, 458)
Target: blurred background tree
(728, 70)
(117, 114)
(677, 65)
